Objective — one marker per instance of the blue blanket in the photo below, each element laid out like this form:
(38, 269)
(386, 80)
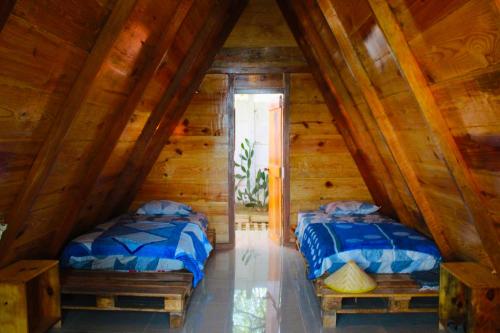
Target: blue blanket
(142, 243)
(379, 245)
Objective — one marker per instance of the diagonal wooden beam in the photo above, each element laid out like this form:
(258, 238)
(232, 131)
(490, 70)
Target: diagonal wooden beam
(166, 115)
(107, 144)
(349, 121)
(6, 7)
(472, 195)
(51, 147)
(383, 121)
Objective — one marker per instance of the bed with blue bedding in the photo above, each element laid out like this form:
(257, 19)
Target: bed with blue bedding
(376, 243)
(143, 243)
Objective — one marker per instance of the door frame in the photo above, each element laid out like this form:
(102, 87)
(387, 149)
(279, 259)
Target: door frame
(233, 90)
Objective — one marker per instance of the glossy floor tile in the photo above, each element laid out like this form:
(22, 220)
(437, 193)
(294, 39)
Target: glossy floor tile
(257, 287)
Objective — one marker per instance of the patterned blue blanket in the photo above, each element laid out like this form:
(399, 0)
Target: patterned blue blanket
(376, 243)
(142, 243)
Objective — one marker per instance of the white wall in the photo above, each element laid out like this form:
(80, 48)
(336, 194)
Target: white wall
(252, 122)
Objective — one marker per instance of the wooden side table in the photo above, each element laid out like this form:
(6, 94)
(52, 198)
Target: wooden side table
(30, 296)
(469, 296)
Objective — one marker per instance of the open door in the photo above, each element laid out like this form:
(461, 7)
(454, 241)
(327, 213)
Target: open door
(276, 172)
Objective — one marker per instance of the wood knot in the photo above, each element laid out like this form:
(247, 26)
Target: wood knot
(321, 144)
(490, 294)
(178, 151)
(328, 184)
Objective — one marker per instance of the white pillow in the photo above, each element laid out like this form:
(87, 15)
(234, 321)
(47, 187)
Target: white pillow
(342, 208)
(164, 207)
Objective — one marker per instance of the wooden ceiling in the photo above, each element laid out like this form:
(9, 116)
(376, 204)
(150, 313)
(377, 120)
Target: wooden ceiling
(92, 90)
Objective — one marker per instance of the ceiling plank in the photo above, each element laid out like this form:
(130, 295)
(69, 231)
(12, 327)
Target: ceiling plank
(472, 196)
(120, 120)
(6, 7)
(50, 149)
(175, 100)
(347, 117)
(384, 123)
(244, 60)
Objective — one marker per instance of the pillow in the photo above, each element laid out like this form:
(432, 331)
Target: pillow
(342, 208)
(164, 207)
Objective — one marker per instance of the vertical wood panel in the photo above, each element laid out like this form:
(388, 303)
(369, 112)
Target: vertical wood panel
(321, 167)
(192, 166)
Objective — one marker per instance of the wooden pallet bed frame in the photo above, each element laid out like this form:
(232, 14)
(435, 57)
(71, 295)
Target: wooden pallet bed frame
(398, 290)
(174, 288)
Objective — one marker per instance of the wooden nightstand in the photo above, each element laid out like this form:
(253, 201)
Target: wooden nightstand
(30, 296)
(469, 296)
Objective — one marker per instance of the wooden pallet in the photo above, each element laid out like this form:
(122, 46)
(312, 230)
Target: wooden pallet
(211, 235)
(398, 290)
(174, 288)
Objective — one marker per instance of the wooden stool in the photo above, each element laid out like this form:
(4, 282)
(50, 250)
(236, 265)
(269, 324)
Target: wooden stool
(469, 297)
(30, 296)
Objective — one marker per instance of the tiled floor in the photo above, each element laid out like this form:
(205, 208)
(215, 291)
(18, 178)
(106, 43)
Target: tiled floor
(257, 287)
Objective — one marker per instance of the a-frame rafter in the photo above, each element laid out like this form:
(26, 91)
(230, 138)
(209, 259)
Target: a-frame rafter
(167, 113)
(50, 149)
(351, 123)
(384, 123)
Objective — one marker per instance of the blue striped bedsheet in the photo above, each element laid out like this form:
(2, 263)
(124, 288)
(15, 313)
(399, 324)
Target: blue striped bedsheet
(376, 243)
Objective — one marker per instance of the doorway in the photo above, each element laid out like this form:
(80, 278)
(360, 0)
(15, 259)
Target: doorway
(251, 160)
(259, 145)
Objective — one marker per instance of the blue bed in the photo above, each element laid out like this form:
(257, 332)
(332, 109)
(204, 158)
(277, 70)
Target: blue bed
(143, 243)
(376, 243)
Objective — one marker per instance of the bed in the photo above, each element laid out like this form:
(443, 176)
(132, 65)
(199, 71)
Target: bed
(158, 255)
(386, 249)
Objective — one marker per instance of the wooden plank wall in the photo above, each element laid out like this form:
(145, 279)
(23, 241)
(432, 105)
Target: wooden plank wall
(261, 42)
(321, 167)
(42, 48)
(192, 167)
(464, 78)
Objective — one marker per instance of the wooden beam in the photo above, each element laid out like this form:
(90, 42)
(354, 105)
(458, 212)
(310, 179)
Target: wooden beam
(50, 149)
(259, 60)
(371, 96)
(166, 115)
(6, 7)
(348, 119)
(107, 143)
(287, 113)
(231, 137)
(472, 195)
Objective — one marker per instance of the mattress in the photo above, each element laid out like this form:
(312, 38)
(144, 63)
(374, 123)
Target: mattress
(376, 243)
(142, 243)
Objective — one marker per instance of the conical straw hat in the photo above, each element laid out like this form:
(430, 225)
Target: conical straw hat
(350, 279)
